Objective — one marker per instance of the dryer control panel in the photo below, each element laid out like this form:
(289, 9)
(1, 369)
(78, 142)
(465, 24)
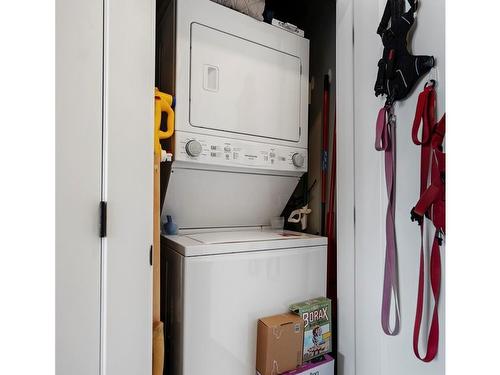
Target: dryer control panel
(236, 153)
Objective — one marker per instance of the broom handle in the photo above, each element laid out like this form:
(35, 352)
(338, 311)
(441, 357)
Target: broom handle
(156, 240)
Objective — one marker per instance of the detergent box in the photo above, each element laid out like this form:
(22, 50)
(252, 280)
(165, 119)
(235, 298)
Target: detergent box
(279, 344)
(316, 314)
(323, 367)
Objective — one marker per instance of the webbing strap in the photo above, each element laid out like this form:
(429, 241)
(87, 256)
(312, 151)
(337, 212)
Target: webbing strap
(430, 204)
(384, 142)
(425, 116)
(433, 197)
(435, 277)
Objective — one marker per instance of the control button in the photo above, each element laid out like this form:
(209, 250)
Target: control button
(272, 155)
(227, 149)
(193, 148)
(298, 160)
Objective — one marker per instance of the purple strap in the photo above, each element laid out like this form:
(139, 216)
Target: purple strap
(383, 142)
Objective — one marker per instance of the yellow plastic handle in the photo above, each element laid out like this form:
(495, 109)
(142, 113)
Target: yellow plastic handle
(163, 103)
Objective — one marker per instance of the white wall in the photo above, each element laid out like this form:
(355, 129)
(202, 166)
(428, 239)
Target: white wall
(361, 263)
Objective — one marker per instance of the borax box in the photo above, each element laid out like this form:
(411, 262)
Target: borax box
(316, 314)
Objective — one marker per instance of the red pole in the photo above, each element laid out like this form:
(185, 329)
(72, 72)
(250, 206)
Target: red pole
(331, 224)
(324, 151)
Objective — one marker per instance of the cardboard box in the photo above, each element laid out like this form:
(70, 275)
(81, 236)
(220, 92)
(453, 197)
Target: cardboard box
(316, 314)
(324, 367)
(279, 343)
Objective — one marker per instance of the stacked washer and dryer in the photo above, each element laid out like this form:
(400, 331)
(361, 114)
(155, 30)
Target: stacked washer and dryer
(239, 150)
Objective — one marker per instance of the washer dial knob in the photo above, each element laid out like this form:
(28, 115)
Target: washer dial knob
(193, 148)
(298, 160)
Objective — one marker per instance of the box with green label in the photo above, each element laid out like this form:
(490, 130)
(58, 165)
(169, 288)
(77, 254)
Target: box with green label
(316, 314)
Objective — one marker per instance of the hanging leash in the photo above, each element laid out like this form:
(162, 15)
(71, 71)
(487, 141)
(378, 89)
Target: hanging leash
(385, 141)
(431, 205)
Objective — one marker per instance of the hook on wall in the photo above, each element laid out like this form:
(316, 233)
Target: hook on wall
(433, 76)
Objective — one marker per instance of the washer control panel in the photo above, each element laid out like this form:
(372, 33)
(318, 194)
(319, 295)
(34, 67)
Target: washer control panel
(231, 152)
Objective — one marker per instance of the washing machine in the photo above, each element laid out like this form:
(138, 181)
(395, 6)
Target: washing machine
(219, 283)
(239, 150)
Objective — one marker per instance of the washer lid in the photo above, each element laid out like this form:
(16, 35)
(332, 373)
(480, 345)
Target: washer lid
(239, 241)
(243, 236)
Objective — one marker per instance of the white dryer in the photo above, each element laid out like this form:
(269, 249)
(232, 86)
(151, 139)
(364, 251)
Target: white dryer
(241, 89)
(221, 283)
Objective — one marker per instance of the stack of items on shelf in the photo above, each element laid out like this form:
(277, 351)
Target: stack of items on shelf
(252, 8)
(278, 13)
(297, 342)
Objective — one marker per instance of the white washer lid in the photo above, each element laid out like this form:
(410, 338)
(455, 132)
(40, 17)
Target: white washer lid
(243, 236)
(228, 242)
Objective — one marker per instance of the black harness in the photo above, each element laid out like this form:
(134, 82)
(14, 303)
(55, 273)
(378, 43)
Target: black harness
(398, 70)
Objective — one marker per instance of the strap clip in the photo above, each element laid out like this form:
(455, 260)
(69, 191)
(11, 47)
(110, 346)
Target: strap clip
(390, 100)
(439, 237)
(416, 217)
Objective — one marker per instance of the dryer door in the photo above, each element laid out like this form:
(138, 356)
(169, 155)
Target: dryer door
(242, 87)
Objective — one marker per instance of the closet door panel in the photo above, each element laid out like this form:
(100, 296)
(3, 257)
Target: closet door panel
(128, 186)
(79, 59)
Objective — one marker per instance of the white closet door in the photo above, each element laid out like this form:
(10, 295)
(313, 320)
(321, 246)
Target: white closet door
(128, 186)
(104, 151)
(79, 59)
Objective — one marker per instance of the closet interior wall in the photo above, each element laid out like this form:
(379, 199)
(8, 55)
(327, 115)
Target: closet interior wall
(320, 30)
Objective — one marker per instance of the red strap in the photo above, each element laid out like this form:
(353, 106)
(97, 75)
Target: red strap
(431, 204)
(432, 197)
(438, 132)
(438, 177)
(424, 115)
(435, 276)
(427, 199)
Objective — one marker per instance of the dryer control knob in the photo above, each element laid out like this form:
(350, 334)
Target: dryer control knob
(298, 160)
(193, 148)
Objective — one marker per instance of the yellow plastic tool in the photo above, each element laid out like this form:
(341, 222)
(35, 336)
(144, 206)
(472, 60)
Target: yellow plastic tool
(163, 103)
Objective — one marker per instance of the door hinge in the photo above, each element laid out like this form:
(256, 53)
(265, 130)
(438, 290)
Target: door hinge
(151, 255)
(103, 219)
